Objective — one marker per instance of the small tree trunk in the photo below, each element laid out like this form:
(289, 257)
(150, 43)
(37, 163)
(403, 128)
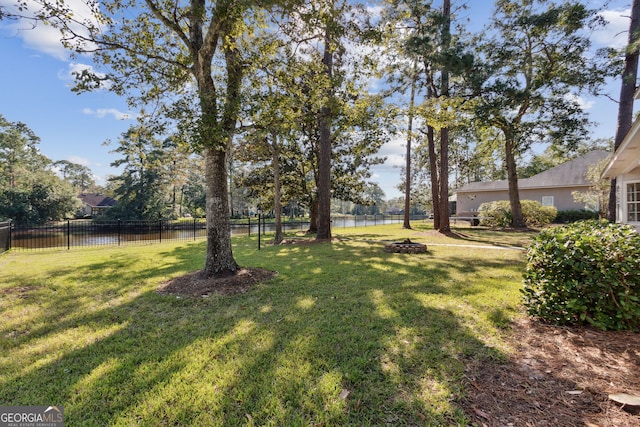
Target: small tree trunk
(444, 226)
(407, 178)
(435, 185)
(277, 197)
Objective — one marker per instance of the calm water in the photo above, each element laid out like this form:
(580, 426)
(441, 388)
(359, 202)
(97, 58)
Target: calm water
(59, 237)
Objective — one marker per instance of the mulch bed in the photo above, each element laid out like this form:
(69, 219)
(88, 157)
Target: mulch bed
(559, 376)
(197, 284)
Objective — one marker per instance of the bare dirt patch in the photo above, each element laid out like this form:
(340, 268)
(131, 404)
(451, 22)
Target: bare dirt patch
(196, 284)
(559, 376)
(307, 241)
(20, 291)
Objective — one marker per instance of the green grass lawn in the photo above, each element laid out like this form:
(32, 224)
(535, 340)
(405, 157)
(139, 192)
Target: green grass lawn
(346, 334)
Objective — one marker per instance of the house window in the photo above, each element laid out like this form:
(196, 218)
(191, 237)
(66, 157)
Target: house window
(547, 200)
(633, 202)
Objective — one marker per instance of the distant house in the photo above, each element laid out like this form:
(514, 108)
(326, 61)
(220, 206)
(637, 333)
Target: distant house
(95, 204)
(553, 187)
(625, 167)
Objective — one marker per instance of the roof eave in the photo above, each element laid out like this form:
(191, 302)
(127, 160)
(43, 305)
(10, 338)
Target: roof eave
(619, 164)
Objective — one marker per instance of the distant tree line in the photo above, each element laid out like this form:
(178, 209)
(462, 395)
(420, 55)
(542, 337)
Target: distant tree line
(30, 190)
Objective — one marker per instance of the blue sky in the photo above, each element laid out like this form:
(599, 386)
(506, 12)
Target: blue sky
(35, 80)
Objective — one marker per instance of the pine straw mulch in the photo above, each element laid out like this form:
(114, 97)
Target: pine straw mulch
(558, 376)
(196, 284)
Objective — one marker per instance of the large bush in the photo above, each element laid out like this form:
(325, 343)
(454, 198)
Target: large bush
(587, 272)
(495, 214)
(498, 213)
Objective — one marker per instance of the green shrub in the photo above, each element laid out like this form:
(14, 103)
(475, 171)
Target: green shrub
(585, 273)
(536, 215)
(495, 214)
(498, 213)
(564, 217)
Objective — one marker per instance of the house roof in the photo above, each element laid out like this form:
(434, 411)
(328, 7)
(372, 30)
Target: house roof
(96, 200)
(627, 156)
(569, 174)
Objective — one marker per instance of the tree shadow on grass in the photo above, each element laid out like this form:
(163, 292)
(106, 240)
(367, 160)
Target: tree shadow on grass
(347, 345)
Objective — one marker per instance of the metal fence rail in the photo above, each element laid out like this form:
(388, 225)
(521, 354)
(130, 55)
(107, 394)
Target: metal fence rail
(5, 236)
(68, 234)
(77, 233)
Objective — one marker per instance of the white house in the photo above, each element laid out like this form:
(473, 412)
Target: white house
(625, 168)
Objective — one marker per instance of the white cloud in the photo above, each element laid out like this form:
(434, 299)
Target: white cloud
(101, 180)
(585, 104)
(615, 33)
(75, 69)
(375, 11)
(395, 160)
(104, 112)
(47, 38)
(73, 159)
(72, 69)
(79, 160)
(394, 151)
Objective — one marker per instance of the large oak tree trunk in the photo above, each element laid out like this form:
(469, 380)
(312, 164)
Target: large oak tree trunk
(216, 134)
(324, 151)
(219, 256)
(313, 216)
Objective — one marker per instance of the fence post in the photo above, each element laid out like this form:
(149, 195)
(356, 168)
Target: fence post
(118, 229)
(68, 234)
(249, 222)
(194, 229)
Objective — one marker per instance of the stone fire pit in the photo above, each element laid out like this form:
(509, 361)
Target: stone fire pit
(406, 247)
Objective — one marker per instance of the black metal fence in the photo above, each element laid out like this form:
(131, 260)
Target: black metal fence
(68, 234)
(5, 236)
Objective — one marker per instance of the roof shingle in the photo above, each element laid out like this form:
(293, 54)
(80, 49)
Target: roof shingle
(569, 174)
